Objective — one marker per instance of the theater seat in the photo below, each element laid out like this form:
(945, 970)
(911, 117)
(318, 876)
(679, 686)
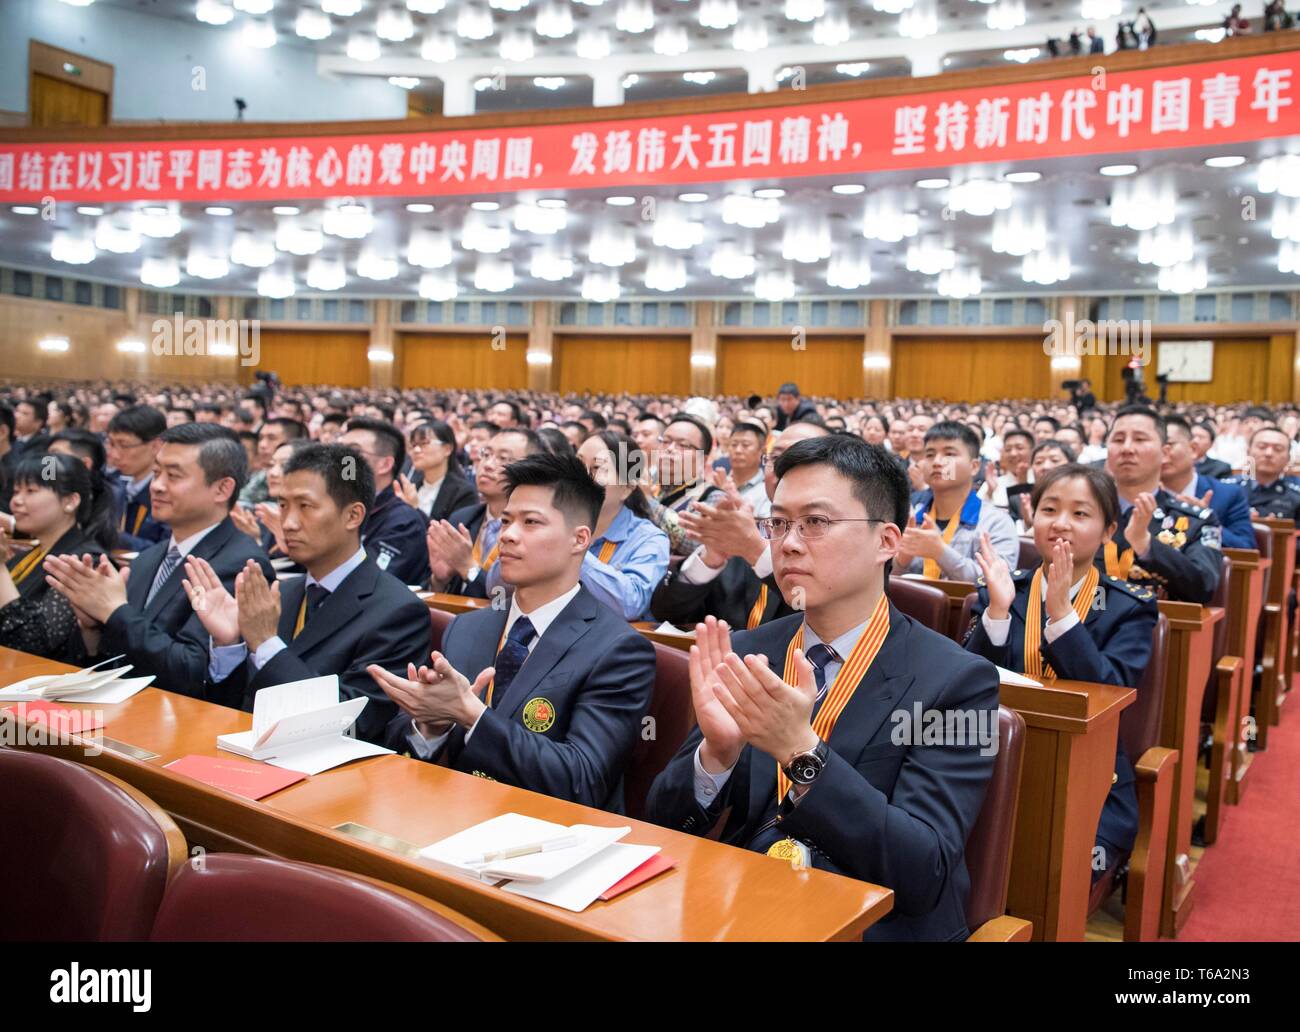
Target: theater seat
(230, 897)
(85, 858)
(441, 621)
(988, 850)
(924, 603)
(672, 716)
(1219, 707)
(1139, 730)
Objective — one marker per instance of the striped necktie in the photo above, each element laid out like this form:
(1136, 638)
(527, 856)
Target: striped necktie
(170, 561)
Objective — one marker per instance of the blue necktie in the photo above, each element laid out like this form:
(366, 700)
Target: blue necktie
(819, 655)
(170, 561)
(511, 657)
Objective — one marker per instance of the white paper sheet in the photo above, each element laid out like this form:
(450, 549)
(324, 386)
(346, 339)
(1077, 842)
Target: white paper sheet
(1011, 677)
(274, 703)
(325, 753)
(579, 887)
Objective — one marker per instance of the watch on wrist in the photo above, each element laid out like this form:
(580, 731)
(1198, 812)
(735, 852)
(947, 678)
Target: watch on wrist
(472, 575)
(804, 767)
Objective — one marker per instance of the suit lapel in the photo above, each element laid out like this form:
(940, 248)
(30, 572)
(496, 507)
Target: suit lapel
(205, 549)
(344, 600)
(877, 694)
(142, 575)
(565, 629)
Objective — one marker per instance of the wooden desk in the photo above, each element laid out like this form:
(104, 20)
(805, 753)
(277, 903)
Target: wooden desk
(455, 603)
(674, 641)
(1191, 647)
(1279, 661)
(1249, 572)
(717, 892)
(1073, 727)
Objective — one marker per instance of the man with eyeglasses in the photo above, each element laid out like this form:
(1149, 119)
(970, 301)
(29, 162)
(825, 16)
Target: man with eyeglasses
(132, 447)
(798, 740)
(683, 477)
(730, 575)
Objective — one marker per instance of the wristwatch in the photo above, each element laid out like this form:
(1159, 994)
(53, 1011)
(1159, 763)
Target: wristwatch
(804, 767)
(472, 575)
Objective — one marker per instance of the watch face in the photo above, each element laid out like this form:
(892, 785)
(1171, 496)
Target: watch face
(804, 769)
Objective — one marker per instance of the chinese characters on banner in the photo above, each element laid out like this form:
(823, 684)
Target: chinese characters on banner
(1209, 103)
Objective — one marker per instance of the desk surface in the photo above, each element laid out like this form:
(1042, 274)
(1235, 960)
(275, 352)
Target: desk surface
(716, 891)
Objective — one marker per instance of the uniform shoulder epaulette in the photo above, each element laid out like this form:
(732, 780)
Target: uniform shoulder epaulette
(1201, 513)
(1291, 486)
(1138, 590)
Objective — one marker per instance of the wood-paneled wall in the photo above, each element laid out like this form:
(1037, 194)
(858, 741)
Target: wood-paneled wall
(314, 356)
(971, 368)
(612, 364)
(829, 365)
(1246, 368)
(463, 360)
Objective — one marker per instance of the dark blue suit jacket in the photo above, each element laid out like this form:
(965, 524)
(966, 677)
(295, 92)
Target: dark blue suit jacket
(471, 517)
(591, 671)
(369, 618)
(393, 535)
(1230, 503)
(165, 638)
(896, 815)
(137, 529)
(1111, 646)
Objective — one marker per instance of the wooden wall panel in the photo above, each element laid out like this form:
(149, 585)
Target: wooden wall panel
(56, 104)
(316, 356)
(971, 368)
(1245, 369)
(463, 360)
(830, 365)
(614, 364)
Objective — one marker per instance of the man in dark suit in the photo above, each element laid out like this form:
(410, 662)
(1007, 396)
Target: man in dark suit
(30, 433)
(1202, 441)
(1178, 476)
(345, 615)
(549, 694)
(464, 546)
(133, 443)
(394, 531)
(730, 575)
(147, 617)
(791, 407)
(807, 743)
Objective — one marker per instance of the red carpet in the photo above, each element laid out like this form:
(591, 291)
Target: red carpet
(1248, 882)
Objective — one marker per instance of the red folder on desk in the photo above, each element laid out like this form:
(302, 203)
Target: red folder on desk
(657, 864)
(60, 719)
(239, 777)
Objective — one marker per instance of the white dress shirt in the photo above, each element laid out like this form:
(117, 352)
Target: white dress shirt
(694, 570)
(999, 630)
(542, 617)
(427, 494)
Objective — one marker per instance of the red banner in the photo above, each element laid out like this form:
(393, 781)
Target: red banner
(1209, 103)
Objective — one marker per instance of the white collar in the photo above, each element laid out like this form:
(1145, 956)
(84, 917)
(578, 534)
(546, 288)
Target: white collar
(544, 615)
(190, 543)
(339, 574)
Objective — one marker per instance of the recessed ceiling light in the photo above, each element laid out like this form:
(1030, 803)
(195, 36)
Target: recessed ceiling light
(89, 209)
(1117, 170)
(769, 192)
(403, 82)
(1023, 177)
(25, 209)
(932, 184)
(484, 205)
(155, 209)
(693, 198)
(284, 209)
(552, 202)
(218, 209)
(620, 201)
(848, 188)
(419, 209)
(1225, 161)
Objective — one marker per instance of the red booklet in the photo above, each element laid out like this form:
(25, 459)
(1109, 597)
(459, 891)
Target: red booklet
(60, 719)
(240, 777)
(657, 864)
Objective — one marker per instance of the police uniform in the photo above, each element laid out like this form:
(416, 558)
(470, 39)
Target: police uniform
(394, 537)
(1280, 498)
(1111, 644)
(1184, 561)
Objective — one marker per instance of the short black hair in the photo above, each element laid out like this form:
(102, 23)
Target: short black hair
(879, 482)
(1052, 443)
(143, 421)
(706, 435)
(1258, 412)
(746, 427)
(1056, 423)
(1173, 419)
(951, 430)
(1208, 427)
(1017, 432)
(1145, 412)
(294, 429)
(84, 444)
(220, 453)
(334, 417)
(554, 441)
(515, 410)
(574, 492)
(1100, 483)
(187, 412)
(483, 424)
(535, 443)
(597, 420)
(388, 439)
(884, 421)
(347, 475)
(40, 408)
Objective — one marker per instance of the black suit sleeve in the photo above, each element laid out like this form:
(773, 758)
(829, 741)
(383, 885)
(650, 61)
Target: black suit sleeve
(397, 636)
(587, 764)
(979, 642)
(671, 801)
(1075, 655)
(1192, 573)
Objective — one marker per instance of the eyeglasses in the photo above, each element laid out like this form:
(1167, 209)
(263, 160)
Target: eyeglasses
(773, 528)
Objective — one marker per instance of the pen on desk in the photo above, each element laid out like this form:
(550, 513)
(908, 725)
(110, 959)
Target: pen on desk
(563, 842)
